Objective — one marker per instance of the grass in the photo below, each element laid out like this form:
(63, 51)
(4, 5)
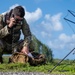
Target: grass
(63, 68)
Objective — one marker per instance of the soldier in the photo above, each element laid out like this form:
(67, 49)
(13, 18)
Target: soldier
(11, 25)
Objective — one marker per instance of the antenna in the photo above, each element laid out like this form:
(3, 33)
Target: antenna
(71, 50)
(68, 19)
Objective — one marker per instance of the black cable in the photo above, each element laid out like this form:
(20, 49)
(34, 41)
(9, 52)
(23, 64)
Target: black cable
(61, 60)
(70, 25)
(71, 12)
(68, 64)
(72, 49)
(70, 20)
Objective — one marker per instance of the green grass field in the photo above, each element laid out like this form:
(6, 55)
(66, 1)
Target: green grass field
(66, 67)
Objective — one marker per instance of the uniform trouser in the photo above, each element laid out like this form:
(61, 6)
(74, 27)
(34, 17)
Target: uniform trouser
(15, 47)
(1, 51)
(6, 48)
(9, 48)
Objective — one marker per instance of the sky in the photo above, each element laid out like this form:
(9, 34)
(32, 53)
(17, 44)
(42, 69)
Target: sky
(47, 23)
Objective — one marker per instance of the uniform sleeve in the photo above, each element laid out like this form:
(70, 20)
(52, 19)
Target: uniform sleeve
(3, 30)
(27, 33)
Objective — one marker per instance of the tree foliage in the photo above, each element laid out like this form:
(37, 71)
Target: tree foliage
(42, 49)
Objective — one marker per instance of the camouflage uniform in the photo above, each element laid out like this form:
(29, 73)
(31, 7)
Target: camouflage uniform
(10, 36)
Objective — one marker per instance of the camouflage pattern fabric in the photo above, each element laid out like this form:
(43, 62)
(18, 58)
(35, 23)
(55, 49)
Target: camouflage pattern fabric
(6, 33)
(10, 36)
(39, 59)
(18, 57)
(19, 46)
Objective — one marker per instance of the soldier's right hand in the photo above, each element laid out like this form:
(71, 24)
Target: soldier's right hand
(11, 23)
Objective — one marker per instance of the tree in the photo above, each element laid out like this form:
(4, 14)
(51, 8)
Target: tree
(42, 49)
